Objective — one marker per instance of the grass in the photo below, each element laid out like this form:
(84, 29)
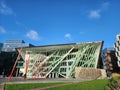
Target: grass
(114, 82)
(88, 85)
(28, 86)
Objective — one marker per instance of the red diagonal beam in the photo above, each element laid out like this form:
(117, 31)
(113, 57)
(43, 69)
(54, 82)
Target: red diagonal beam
(9, 78)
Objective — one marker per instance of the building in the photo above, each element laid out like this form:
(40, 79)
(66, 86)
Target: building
(9, 54)
(110, 61)
(56, 61)
(117, 48)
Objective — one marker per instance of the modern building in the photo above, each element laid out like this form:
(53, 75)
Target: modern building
(117, 48)
(110, 61)
(9, 54)
(56, 61)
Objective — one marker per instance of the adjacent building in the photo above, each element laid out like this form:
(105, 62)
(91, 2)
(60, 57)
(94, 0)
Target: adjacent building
(9, 54)
(110, 61)
(117, 48)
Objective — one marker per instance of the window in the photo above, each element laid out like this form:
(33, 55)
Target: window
(70, 63)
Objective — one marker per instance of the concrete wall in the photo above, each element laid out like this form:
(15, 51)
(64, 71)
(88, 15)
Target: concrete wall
(89, 73)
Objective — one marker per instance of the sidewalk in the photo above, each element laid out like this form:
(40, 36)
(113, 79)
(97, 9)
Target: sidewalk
(59, 85)
(1, 86)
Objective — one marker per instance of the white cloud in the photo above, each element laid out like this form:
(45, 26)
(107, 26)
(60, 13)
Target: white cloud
(2, 30)
(5, 10)
(68, 35)
(98, 12)
(33, 35)
(94, 14)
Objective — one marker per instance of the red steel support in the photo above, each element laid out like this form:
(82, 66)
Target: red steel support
(20, 51)
(26, 69)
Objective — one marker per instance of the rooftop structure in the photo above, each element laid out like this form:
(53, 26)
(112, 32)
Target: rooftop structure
(10, 45)
(55, 61)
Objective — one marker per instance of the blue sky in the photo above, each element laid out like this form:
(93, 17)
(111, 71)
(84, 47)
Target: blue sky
(44, 22)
